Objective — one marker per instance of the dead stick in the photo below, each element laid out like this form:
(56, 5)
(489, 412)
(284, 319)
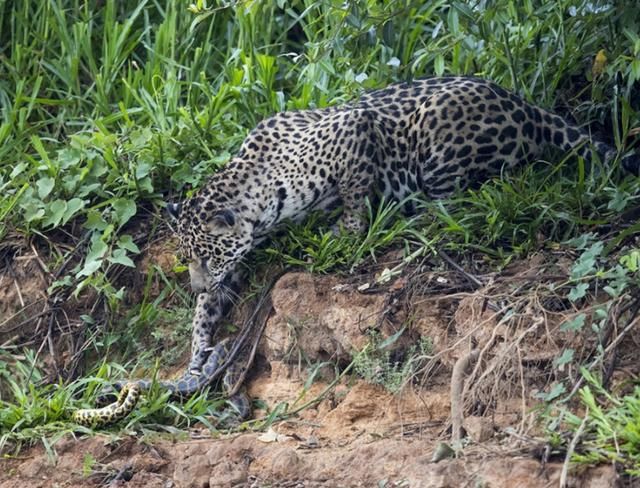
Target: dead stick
(475, 281)
(571, 449)
(252, 353)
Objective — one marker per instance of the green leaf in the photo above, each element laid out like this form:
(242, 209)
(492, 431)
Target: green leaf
(68, 157)
(33, 211)
(586, 264)
(124, 210)
(438, 65)
(635, 68)
(54, 213)
(619, 200)
(601, 312)
(126, 242)
(87, 319)
(615, 291)
(582, 241)
(575, 324)
(142, 170)
(140, 138)
(595, 249)
(557, 390)
(64, 281)
(145, 185)
(90, 267)
(39, 147)
(98, 248)
(391, 339)
(119, 256)
(564, 358)
(453, 21)
(578, 291)
(631, 261)
(45, 185)
(73, 206)
(18, 169)
(95, 221)
(85, 190)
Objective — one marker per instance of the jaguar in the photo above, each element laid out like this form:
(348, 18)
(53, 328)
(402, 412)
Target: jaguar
(426, 136)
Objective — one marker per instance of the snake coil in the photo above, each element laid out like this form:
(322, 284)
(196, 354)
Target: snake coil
(185, 386)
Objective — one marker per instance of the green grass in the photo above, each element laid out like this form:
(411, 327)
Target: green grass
(39, 411)
(108, 109)
(607, 429)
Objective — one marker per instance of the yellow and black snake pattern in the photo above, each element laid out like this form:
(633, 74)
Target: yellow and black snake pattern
(183, 387)
(97, 417)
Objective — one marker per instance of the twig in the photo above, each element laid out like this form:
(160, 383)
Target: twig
(248, 325)
(24, 322)
(43, 266)
(124, 474)
(71, 255)
(52, 351)
(475, 281)
(571, 449)
(530, 277)
(17, 287)
(329, 387)
(240, 381)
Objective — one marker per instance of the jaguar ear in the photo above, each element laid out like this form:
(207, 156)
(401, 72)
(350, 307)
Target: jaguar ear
(224, 217)
(173, 209)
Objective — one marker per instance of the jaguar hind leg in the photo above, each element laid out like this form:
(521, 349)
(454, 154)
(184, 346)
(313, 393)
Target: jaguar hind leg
(357, 182)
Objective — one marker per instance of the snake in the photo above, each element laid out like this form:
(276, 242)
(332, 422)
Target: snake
(98, 417)
(185, 386)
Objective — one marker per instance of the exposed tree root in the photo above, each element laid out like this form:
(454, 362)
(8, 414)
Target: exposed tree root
(460, 370)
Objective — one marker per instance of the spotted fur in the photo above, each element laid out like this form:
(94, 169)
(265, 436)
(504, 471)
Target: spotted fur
(430, 136)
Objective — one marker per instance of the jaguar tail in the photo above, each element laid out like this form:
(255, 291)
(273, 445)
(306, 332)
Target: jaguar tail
(557, 132)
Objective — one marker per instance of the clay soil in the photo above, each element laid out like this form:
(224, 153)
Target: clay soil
(358, 434)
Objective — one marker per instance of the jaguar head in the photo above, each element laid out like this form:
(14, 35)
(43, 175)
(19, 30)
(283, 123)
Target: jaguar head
(212, 238)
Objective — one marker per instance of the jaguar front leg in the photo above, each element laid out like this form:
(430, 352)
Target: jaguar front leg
(210, 309)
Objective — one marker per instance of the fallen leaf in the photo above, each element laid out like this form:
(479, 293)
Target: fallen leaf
(272, 436)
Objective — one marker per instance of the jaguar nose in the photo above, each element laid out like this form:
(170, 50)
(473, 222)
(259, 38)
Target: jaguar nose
(198, 285)
(198, 278)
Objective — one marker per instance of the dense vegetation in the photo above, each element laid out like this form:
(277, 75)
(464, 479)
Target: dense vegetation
(110, 108)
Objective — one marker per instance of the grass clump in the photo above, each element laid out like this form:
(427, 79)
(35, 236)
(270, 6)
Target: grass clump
(379, 364)
(608, 431)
